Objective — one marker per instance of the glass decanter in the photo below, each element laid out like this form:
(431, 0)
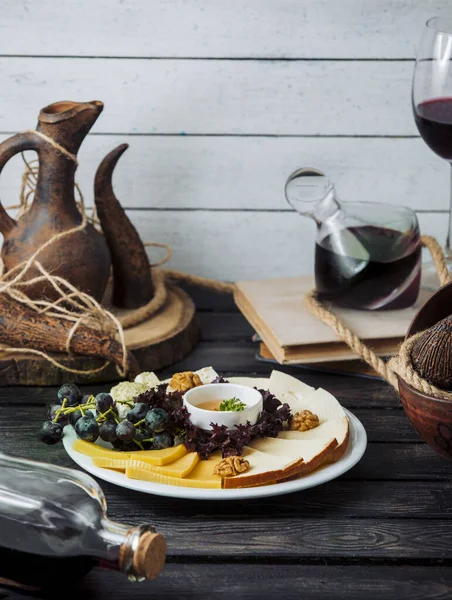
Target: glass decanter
(367, 255)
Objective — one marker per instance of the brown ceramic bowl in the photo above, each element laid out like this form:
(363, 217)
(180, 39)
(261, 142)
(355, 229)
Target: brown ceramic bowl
(431, 417)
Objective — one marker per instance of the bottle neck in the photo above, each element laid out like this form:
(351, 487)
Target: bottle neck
(120, 546)
(138, 552)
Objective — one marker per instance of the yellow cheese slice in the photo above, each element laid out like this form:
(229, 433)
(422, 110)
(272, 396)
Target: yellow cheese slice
(144, 472)
(160, 457)
(153, 457)
(178, 468)
(181, 467)
(105, 462)
(204, 469)
(91, 449)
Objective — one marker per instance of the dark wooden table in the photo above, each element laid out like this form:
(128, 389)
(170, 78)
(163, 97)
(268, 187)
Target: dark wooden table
(382, 531)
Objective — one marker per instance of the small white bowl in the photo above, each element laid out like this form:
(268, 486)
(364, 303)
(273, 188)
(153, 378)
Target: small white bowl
(223, 391)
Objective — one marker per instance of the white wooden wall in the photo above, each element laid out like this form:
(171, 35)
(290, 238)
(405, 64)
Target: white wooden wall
(220, 100)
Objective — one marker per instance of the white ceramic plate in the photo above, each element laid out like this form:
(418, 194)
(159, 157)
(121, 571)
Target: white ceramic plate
(356, 447)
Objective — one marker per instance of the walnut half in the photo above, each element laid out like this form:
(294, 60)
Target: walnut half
(304, 420)
(181, 382)
(231, 466)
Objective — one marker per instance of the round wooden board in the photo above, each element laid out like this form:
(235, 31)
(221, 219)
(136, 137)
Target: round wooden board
(165, 339)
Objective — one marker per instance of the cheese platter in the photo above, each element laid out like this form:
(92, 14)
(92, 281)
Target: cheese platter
(259, 436)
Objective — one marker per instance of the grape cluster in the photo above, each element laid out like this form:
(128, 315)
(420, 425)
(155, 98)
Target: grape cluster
(93, 417)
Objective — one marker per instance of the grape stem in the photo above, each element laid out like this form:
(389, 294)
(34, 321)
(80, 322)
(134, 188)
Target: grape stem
(103, 416)
(59, 411)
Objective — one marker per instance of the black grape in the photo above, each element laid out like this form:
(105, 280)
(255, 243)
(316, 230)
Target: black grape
(87, 428)
(51, 433)
(70, 393)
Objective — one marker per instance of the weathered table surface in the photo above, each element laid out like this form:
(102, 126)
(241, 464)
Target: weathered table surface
(382, 531)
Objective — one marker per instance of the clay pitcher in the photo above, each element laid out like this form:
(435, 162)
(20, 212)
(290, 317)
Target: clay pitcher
(83, 257)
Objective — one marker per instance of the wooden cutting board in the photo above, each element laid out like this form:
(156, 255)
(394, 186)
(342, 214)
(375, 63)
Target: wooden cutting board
(161, 341)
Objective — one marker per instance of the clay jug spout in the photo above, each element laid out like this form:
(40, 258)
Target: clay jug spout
(69, 122)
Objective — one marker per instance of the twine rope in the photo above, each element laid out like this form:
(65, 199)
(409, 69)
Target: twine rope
(345, 334)
(71, 304)
(52, 142)
(402, 365)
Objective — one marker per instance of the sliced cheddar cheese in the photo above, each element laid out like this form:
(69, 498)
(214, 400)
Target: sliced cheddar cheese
(181, 467)
(145, 472)
(153, 457)
(105, 462)
(178, 468)
(203, 471)
(91, 449)
(160, 457)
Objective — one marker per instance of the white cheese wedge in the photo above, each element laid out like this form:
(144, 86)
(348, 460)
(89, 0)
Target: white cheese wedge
(206, 375)
(123, 409)
(258, 382)
(264, 468)
(148, 378)
(320, 402)
(286, 388)
(299, 396)
(337, 428)
(305, 449)
(124, 395)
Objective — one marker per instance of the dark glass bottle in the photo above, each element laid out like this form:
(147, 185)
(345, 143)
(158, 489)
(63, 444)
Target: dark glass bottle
(54, 528)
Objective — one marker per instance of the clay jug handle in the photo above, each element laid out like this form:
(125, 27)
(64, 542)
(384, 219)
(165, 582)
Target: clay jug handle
(8, 149)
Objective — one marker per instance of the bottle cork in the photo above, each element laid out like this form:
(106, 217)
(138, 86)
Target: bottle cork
(149, 557)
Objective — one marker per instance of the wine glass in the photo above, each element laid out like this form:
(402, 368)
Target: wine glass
(432, 95)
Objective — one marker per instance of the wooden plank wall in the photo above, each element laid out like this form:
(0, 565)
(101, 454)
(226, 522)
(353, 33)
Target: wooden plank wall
(219, 102)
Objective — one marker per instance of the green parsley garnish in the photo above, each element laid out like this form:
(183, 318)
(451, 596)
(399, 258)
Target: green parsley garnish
(232, 404)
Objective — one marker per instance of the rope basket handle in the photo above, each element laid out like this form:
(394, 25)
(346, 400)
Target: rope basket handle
(400, 364)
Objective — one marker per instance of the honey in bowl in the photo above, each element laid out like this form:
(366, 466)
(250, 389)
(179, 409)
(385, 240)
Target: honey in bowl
(229, 405)
(210, 405)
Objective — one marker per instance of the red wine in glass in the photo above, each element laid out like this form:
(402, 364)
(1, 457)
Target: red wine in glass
(432, 102)
(434, 121)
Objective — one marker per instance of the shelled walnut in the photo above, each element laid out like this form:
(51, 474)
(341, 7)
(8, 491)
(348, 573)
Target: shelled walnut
(231, 466)
(181, 382)
(304, 420)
